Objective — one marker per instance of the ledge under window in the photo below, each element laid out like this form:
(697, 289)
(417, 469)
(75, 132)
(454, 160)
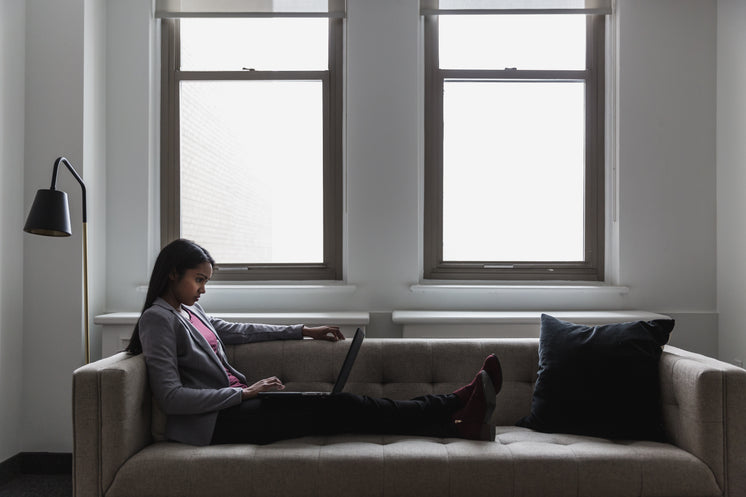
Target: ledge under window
(308, 318)
(521, 287)
(501, 324)
(276, 287)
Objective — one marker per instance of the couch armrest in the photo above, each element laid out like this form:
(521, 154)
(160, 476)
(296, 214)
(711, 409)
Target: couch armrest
(111, 420)
(704, 408)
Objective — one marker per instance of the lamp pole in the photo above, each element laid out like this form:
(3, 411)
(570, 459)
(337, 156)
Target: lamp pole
(63, 160)
(85, 293)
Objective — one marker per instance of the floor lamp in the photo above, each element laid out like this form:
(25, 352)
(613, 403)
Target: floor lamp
(50, 216)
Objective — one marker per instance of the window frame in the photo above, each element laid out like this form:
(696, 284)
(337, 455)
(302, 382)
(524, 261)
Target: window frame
(592, 267)
(332, 83)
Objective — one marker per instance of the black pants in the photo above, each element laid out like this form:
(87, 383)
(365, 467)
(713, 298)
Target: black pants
(264, 421)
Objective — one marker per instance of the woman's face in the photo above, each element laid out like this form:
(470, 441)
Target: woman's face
(187, 289)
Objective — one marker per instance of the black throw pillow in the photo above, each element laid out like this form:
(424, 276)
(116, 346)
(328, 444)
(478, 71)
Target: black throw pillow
(599, 380)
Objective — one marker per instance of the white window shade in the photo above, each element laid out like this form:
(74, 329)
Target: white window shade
(250, 8)
(436, 7)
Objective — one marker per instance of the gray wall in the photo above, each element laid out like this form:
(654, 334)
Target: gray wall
(731, 177)
(12, 42)
(65, 111)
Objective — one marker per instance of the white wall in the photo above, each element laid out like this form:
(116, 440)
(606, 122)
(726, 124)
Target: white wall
(94, 151)
(132, 148)
(64, 101)
(12, 72)
(731, 177)
(666, 140)
(52, 267)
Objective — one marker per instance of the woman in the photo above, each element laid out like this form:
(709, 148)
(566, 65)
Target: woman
(207, 401)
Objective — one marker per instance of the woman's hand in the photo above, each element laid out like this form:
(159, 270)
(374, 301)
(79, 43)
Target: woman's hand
(265, 385)
(330, 333)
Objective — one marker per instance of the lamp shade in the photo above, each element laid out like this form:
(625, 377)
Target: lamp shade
(49, 214)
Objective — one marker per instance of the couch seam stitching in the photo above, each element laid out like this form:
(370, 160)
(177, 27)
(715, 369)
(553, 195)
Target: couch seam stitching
(724, 424)
(385, 469)
(432, 368)
(512, 466)
(448, 465)
(318, 464)
(642, 473)
(99, 426)
(577, 470)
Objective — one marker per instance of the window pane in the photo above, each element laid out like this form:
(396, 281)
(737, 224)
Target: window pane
(251, 169)
(264, 44)
(513, 171)
(548, 42)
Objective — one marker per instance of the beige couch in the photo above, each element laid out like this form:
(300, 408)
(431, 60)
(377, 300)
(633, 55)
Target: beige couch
(116, 428)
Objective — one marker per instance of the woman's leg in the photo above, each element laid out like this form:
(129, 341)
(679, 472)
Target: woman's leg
(271, 419)
(428, 415)
(244, 423)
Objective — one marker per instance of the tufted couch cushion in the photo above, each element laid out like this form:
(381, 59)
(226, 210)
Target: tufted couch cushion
(521, 463)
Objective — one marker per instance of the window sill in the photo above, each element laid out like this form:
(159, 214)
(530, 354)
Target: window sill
(501, 324)
(308, 318)
(538, 288)
(276, 287)
(518, 317)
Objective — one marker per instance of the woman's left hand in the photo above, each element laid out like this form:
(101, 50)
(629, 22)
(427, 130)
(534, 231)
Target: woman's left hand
(330, 333)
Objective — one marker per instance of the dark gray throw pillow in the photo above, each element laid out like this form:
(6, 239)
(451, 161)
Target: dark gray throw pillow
(599, 380)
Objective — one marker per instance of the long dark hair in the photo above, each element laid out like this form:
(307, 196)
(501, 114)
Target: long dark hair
(176, 257)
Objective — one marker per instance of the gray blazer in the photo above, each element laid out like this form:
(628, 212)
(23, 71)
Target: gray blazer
(187, 378)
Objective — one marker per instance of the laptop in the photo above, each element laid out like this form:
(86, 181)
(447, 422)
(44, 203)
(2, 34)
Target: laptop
(344, 373)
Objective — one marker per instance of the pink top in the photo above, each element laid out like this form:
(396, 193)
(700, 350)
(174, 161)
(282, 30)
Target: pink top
(213, 341)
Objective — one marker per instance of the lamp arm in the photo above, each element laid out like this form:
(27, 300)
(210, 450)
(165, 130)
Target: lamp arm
(72, 170)
(77, 177)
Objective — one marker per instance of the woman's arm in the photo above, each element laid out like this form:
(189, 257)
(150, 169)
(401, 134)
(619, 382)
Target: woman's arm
(235, 333)
(158, 334)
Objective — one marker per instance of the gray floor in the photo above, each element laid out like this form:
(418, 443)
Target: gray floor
(38, 486)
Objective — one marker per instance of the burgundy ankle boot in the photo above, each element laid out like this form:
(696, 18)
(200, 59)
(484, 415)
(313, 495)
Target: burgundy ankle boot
(492, 367)
(473, 421)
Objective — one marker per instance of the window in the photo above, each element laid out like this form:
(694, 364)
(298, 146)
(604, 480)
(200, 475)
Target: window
(514, 146)
(251, 163)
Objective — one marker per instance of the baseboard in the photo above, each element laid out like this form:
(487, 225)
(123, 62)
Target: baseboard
(36, 463)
